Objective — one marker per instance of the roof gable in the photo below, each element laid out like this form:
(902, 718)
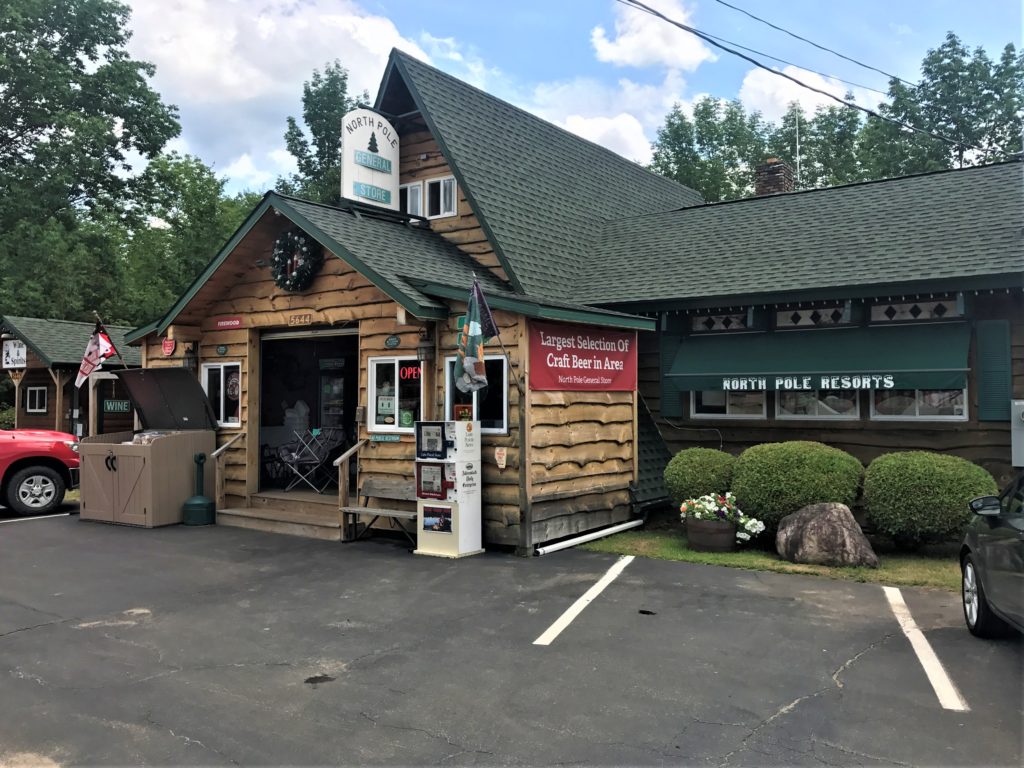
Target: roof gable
(539, 192)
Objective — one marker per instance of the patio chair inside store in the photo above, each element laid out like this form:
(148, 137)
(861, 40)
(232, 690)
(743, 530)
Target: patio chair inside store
(309, 457)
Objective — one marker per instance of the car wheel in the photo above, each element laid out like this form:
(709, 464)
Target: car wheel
(35, 491)
(979, 617)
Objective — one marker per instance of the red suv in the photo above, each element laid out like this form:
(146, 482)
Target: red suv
(36, 467)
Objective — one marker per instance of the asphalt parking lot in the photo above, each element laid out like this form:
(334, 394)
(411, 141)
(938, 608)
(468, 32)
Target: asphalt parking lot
(220, 646)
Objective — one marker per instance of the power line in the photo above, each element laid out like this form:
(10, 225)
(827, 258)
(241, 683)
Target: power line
(798, 66)
(816, 45)
(853, 105)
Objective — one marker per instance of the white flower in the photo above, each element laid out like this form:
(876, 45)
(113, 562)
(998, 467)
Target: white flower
(742, 536)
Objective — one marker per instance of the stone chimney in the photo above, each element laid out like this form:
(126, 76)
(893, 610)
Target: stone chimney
(773, 177)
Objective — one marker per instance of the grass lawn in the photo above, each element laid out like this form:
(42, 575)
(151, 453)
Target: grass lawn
(895, 569)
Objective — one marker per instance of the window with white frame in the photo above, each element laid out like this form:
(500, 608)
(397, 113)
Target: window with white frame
(490, 404)
(725, 404)
(396, 394)
(222, 383)
(441, 197)
(410, 198)
(919, 404)
(35, 400)
(819, 404)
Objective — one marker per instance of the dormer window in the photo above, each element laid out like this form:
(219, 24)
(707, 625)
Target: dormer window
(441, 198)
(410, 198)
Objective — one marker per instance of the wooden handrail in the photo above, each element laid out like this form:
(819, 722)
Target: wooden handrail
(228, 444)
(342, 464)
(348, 454)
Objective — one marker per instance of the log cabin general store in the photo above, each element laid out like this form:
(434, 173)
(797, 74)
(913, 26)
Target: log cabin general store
(632, 317)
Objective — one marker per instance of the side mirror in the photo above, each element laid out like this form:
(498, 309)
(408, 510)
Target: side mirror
(985, 505)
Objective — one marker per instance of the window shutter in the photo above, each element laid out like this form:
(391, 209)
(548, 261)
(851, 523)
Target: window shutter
(993, 370)
(671, 397)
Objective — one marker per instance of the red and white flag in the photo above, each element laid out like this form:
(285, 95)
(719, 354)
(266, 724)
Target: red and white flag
(99, 348)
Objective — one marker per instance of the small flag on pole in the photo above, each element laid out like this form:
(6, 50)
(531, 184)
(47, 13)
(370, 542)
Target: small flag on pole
(477, 329)
(99, 348)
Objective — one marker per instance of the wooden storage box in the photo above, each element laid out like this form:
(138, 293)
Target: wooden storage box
(143, 485)
(147, 484)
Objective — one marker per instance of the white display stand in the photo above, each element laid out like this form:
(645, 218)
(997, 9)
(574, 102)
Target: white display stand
(448, 489)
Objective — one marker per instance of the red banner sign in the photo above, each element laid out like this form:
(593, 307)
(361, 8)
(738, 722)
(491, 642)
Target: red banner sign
(582, 358)
(168, 346)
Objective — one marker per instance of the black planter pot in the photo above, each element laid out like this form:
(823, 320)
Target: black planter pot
(711, 535)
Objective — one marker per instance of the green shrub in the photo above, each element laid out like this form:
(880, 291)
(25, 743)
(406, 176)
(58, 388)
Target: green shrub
(775, 479)
(7, 417)
(695, 472)
(918, 496)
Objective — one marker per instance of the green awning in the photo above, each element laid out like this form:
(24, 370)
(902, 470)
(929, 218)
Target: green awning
(923, 356)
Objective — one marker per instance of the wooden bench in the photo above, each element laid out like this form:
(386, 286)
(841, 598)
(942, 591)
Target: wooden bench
(387, 490)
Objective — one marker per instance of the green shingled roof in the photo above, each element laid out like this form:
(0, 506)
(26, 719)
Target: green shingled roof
(63, 342)
(420, 264)
(539, 191)
(413, 265)
(957, 226)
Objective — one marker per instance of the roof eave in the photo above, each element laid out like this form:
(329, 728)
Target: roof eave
(995, 281)
(540, 311)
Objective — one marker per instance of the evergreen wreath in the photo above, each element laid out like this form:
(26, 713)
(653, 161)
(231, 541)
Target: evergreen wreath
(296, 259)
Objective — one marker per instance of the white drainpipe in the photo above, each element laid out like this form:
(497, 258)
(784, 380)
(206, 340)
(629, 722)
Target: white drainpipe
(589, 537)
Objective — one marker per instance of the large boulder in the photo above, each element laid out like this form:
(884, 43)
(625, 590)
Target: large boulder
(824, 534)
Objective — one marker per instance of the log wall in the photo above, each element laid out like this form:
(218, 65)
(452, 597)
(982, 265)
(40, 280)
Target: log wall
(582, 447)
(983, 442)
(421, 159)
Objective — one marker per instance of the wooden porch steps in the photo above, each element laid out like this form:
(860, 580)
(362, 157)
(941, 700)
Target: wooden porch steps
(294, 514)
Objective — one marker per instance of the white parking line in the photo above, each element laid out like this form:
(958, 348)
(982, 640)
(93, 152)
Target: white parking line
(38, 517)
(949, 696)
(576, 608)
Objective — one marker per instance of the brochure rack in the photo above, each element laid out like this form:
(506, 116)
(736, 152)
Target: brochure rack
(448, 478)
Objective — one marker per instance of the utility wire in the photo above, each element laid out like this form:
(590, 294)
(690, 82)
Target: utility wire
(798, 66)
(708, 39)
(819, 47)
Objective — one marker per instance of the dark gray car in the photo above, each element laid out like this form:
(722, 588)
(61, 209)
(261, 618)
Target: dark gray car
(992, 563)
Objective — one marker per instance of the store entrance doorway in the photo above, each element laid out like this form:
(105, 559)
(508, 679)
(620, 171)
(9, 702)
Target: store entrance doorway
(309, 389)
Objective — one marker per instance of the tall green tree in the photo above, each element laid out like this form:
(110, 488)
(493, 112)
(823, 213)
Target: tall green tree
(962, 95)
(73, 104)
(184, 219)
(73, 107)
(715, 152)
(317, 149)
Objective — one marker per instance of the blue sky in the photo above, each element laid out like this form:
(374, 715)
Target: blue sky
(235, 68)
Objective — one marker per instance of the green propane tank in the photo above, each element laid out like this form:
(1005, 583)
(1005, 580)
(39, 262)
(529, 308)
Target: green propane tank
(199, 510)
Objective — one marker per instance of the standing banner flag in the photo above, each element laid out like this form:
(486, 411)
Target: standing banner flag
(477, 329)
(99, 348)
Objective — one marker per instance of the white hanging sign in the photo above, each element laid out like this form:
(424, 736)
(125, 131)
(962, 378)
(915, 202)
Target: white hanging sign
(369, 159)
(15, 354)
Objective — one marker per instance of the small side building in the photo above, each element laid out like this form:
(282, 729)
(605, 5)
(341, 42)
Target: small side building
(42, 358)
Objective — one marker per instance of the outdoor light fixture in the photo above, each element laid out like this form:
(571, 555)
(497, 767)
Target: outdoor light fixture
(425, 346)
(191, 359)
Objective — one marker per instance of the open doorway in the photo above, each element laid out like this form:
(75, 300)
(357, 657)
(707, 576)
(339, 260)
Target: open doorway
(309, 389)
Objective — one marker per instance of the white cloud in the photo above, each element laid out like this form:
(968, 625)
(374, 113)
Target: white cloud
(464, 62)
(901, 29)
(236, 68)
(643, 40)
(622, 133)
(770, 94)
